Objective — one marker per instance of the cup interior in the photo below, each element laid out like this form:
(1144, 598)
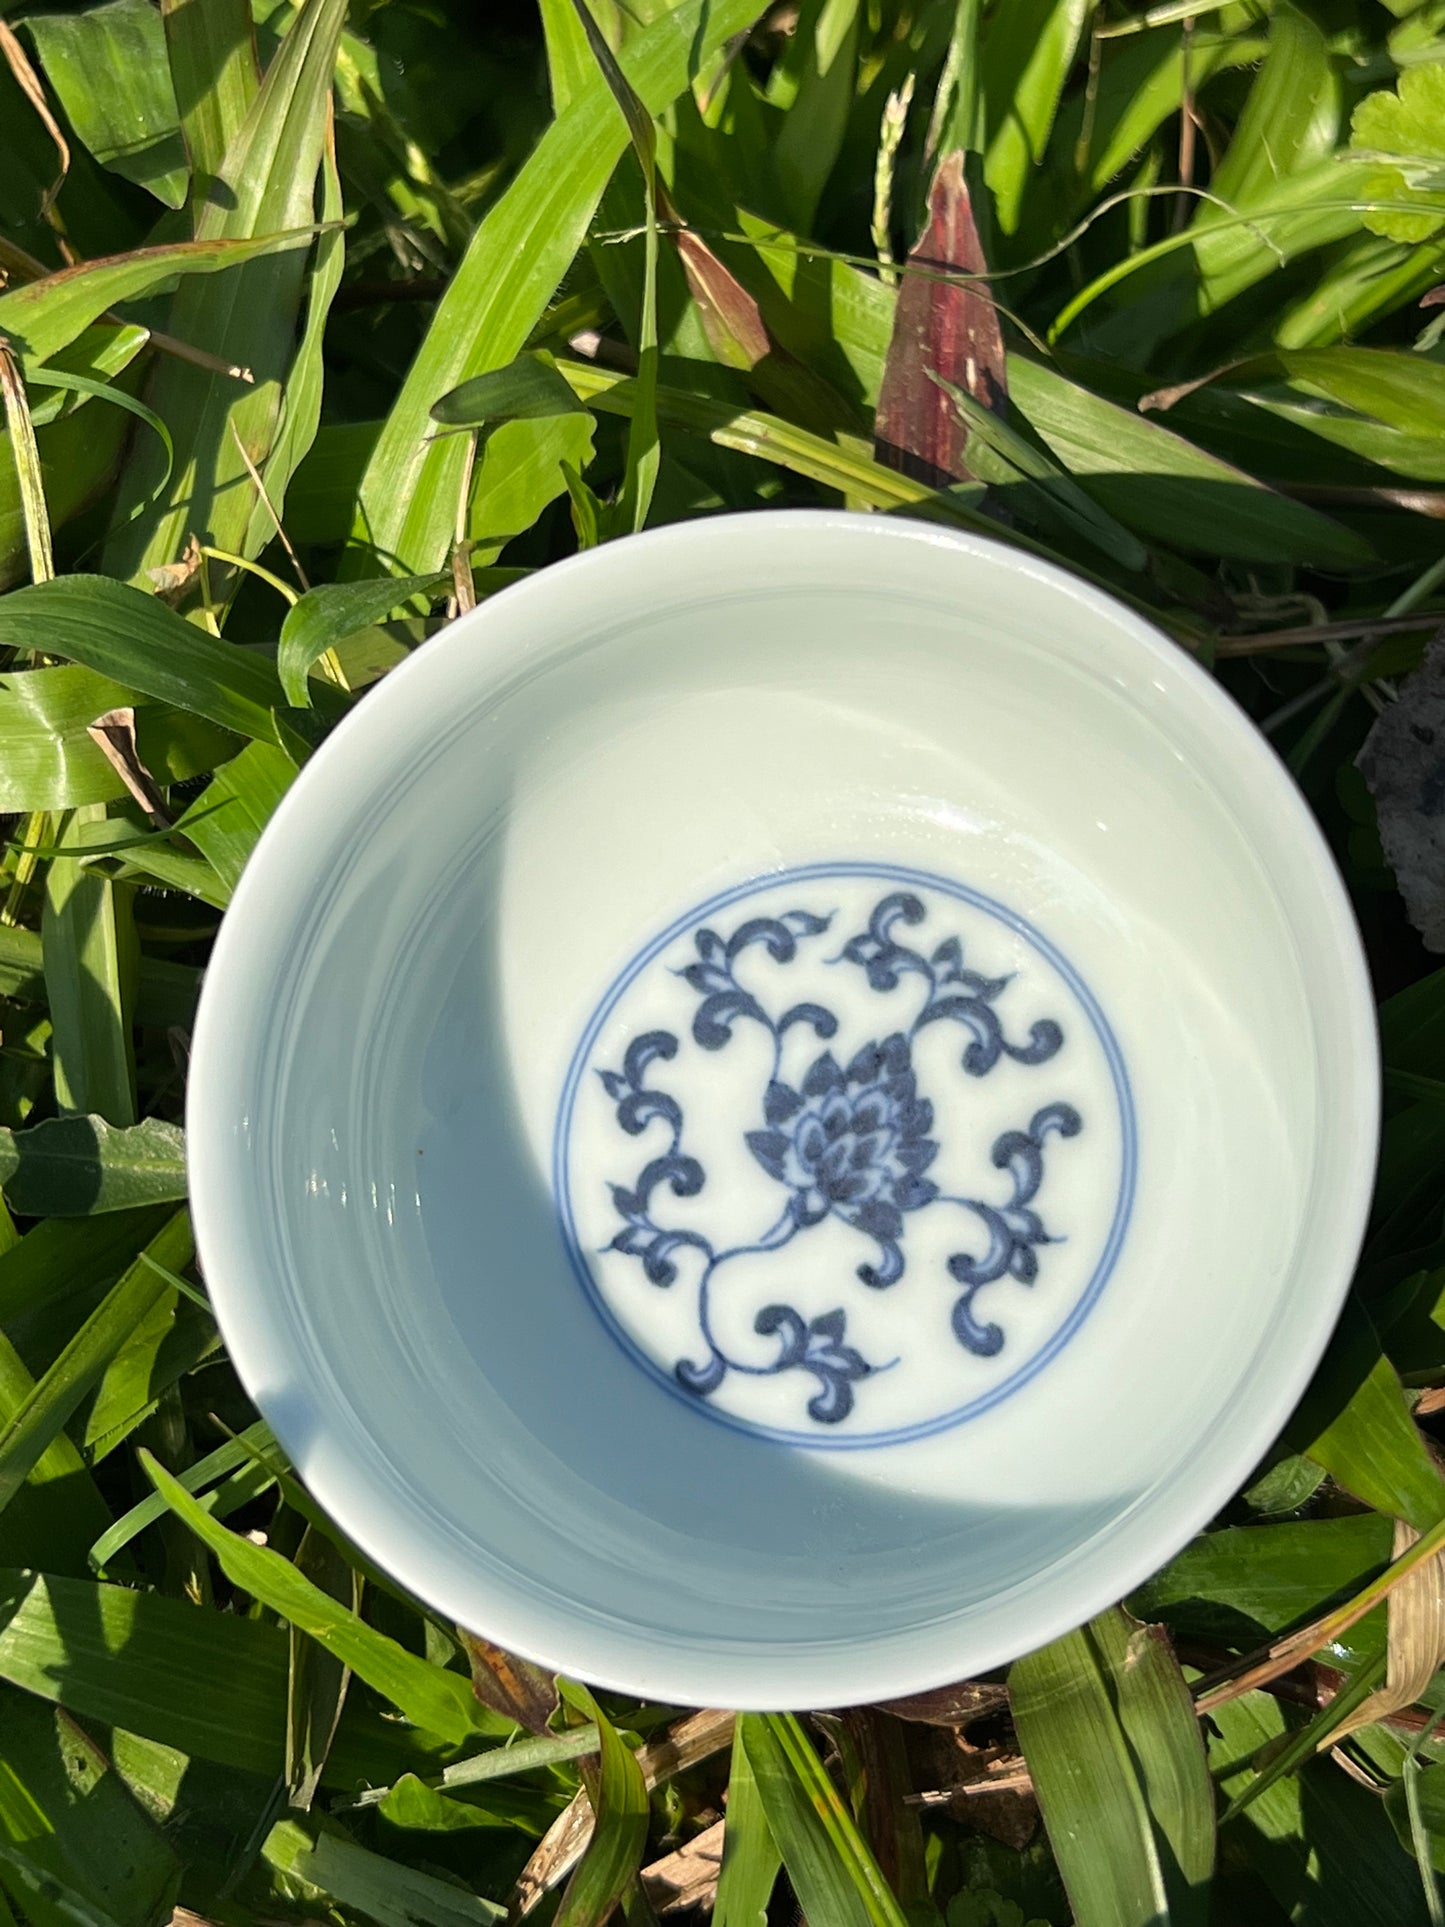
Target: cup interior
(495, 878)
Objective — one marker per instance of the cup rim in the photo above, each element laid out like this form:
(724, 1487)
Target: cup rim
(831, 1672)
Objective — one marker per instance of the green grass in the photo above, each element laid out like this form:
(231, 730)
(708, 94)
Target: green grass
(317, 323)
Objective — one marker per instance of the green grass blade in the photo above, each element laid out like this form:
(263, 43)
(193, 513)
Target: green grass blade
(69, 1167)
(211, 49)
(227, 818)
(45, 316)
(832, 1870)
(25, 457)
(91, 958)
(123, 633)
(1355, 1423)
(1026, 58)
(107, 391)
(316, 1683)
(409, 493)
(204, 1481)
(1168, 489)
(1062, 494)
(59, 1505)
(751, 1861)
(434, 1699)
(1290, 120)
(327, 615)
(59, 1393)
(301, 399)
(48, 761)
(266, 182)
(619, 1800)
(1089, 1782)
(384, 1891)
(207, 1682)
(815, 80)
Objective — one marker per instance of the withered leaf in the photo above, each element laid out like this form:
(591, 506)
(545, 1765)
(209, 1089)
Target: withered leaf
(949, 327)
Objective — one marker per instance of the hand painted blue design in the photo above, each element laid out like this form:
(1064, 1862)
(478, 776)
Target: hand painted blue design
(849, 1142)
(954, 994)
(855, 1143)
(1015, 1231)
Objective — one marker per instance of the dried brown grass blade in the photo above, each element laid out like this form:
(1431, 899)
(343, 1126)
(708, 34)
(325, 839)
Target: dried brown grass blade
(1285, 1654)
(1415, 1640)
(114, 736)
(941, 327)
(28, 81)
(513, 1687)
(26, 456)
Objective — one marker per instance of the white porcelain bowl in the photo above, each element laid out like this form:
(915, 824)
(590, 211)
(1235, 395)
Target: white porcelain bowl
(784, 1111)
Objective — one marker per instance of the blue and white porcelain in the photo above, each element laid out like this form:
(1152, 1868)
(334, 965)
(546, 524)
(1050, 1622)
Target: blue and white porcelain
(784, 1111)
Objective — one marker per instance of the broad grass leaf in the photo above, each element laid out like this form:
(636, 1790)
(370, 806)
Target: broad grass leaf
(409, 494)
(56, 1396)
(45, 316)
(619, 1800)
(529, 388)
(49, 762)
(520, 469)
(1290, 120)
(832, 1870)
(301, 397)
(1405, 132)
(1244, 1584)
(1119, 1774)
(1322, 1844)
(62, 1259)
(1355, 1423)
(383, 1890)
(91, 956)
(1166, 487)
(78, 459)
(438, 1701)
(815, 83)
(59, 1505)
(211, 51)
(68, 1167)
(71, 1836)
(206, 1682)
(751, 1861)
(121, 632)
(108, 68)
(1025, 60)
(226, 820)
(328, 614)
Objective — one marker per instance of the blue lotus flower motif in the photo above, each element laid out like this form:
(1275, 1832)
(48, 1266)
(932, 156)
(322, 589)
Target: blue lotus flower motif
(853, 1143)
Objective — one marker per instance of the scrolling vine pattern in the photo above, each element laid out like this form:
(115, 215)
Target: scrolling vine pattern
(850, 1141)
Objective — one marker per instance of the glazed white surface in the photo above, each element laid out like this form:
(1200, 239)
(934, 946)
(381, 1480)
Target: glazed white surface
(432, 921)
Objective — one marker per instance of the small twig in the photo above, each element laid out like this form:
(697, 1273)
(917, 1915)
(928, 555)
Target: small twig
(464, 588)
(260, 487)
(1260, 642)
(200, 357)
(28, 82)
(1187, 125)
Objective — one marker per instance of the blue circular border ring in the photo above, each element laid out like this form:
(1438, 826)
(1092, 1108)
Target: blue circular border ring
(891, 873)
